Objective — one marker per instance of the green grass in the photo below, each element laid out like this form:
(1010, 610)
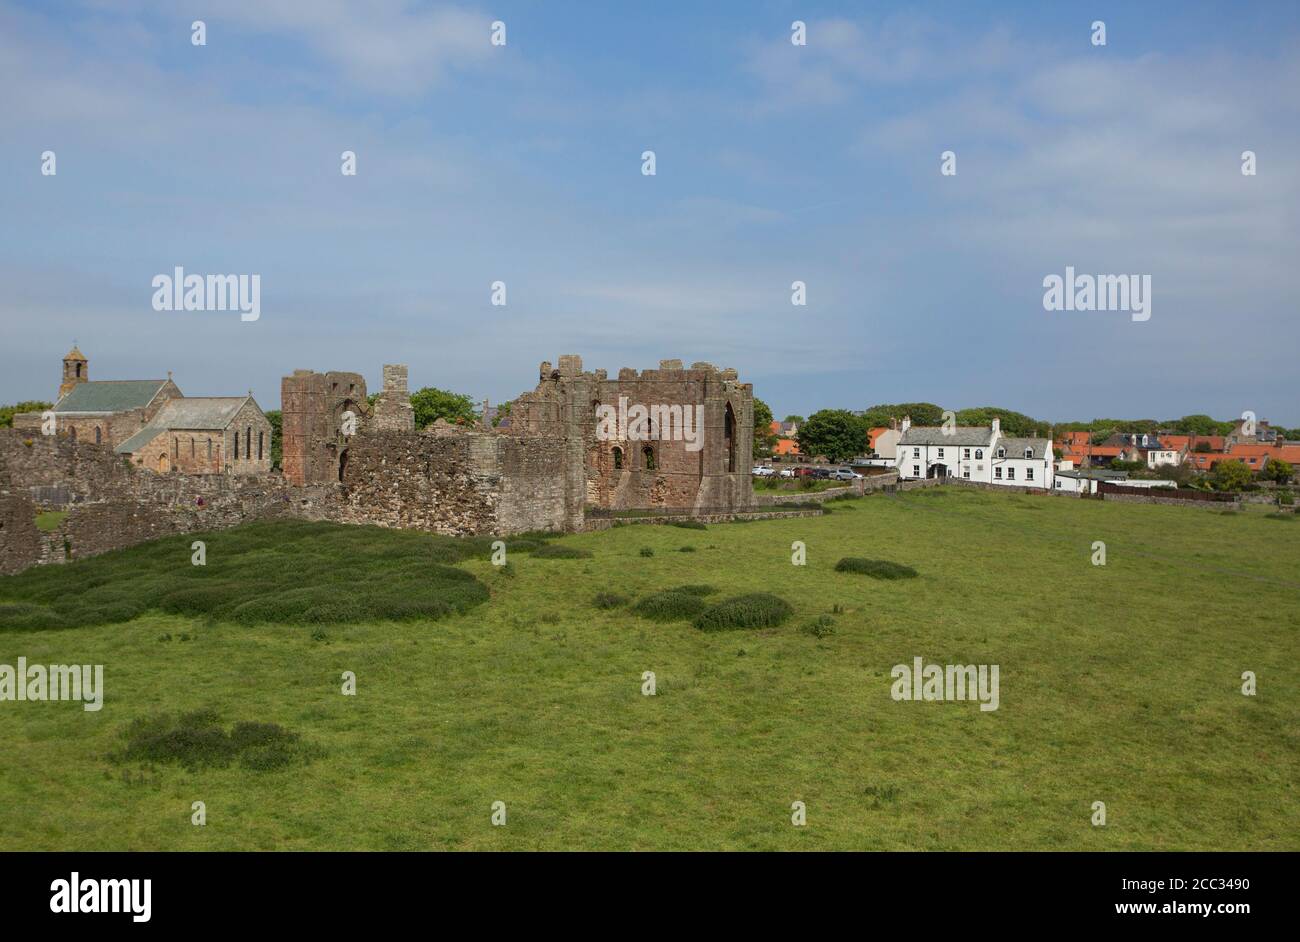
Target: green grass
(1118, 684)
(49, 521)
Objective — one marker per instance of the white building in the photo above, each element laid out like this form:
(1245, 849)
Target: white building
(974, 454)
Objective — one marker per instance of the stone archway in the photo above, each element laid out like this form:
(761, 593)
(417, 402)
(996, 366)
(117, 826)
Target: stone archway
(164, 464)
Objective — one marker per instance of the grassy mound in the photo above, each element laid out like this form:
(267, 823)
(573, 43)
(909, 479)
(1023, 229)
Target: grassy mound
(669, 606)
(875, 568)
(759, 610)
(286, 572)
(195, 740)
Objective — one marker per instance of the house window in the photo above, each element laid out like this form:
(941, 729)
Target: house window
(940, 452)
(997, 473)
(1029, 453)
(916, 470)
(916, 452)
(618, 459)
(1011, 474)
(979, 454)
(965, 453)
(648, 458)
(1002, 452)
(965, 472)
(1029, 474)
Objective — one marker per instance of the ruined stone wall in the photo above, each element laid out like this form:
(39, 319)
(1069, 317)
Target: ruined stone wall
(662, 471)
(469, 482)
(393, 411)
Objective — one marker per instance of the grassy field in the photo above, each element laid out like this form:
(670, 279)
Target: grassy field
(1118, 683)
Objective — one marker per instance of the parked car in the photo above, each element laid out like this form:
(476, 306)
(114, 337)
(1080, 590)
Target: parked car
(846, 474)
(787, 472)
(821, 474)
(762, 472)
(803, 471)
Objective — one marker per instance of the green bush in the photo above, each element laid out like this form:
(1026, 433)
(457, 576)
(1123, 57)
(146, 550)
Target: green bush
(669, 606)
(687, 549)
(695, 589)
(195, 740)
(819, 627)
(609, 600)
(759, 610)
(876, 568)
(647, 551)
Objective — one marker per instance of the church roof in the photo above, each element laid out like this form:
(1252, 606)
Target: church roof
(75, 354)
(139, 440)
(113, 395)
(200, 412)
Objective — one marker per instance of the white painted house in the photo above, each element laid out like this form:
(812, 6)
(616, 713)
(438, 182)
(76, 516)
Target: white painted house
(974, 453)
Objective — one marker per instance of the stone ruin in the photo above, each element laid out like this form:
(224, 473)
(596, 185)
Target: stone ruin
(344, 459)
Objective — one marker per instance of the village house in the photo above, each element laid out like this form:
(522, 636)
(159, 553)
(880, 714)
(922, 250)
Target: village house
(974, 453)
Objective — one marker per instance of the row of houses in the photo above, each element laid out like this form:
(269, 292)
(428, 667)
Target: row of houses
(1253, 444)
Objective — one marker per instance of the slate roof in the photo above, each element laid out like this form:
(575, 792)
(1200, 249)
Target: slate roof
(113, 395)
(200, 412)
(1016, 446)
(962, 436)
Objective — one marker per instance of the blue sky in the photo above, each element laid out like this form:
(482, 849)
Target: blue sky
(775, 163)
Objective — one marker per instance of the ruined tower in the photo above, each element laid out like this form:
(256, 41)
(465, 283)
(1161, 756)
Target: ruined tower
(393, 410)
(320, 414)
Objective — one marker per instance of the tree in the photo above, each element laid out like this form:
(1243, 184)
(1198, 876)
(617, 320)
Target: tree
(432, 404)
(1277, 470)
(921, 413)
(276, 418)
(763, 437)
(7, 412)
(1013, 424)
(1196, 425)
(1231, 475)
(836, 433)
(796, 419)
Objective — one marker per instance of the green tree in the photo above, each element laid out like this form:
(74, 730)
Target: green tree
(836, 433)
(1196, 425)
(1014, 424)
(763, 437)
(276, 418)
(1277, 470)
(922, 413)
(1231, 475)
(796, 419)
(503, 412)
(7, 412)
(432, 404)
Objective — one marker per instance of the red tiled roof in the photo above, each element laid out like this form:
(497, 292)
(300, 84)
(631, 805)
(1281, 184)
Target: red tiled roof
(786, 446)
(1288, 453)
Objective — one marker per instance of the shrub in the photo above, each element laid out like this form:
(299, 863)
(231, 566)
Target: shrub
(554, 551)
(876, 568)
(609, 600)
(669, 606)
(759, 610)
(820, 627)
(196, 739)
(647, 551)
(687, 549)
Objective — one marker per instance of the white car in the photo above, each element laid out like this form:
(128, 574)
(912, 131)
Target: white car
(763, 472)
(787, 472)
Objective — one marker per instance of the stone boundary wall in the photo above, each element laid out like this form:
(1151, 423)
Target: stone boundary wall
(608, 523)
(1175, 502)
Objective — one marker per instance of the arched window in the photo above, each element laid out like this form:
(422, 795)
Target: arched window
(192, 446)
(248, 442)
(343, 463)
(729, 437)
(78, 371)
(259, 445)
(618, 459)
(99, 438)
(176, 448)
(648, 458)
(979, 454)
(209, 449)
(236, 444)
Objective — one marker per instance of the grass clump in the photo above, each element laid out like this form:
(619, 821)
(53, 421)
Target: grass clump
(609, 600)
(669, 606)
(875, 568)
(196, 740)
(757, 610)
(647, 551)
(696, 588)
(819, 627)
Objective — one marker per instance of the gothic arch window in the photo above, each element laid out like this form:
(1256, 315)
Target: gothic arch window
(259, 445)
(648, 458)
(192, 446)
(78, 371)
(618, 459)
(248, 442)
(209, 448)
(99, 437)
(236, 444)
(729, 437)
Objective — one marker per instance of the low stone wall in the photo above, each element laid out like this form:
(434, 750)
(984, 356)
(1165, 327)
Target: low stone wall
(608, 523)
(1174, 501)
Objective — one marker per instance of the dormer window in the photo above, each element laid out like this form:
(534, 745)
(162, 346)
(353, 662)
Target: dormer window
(1029, 452)
(1002, 452)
